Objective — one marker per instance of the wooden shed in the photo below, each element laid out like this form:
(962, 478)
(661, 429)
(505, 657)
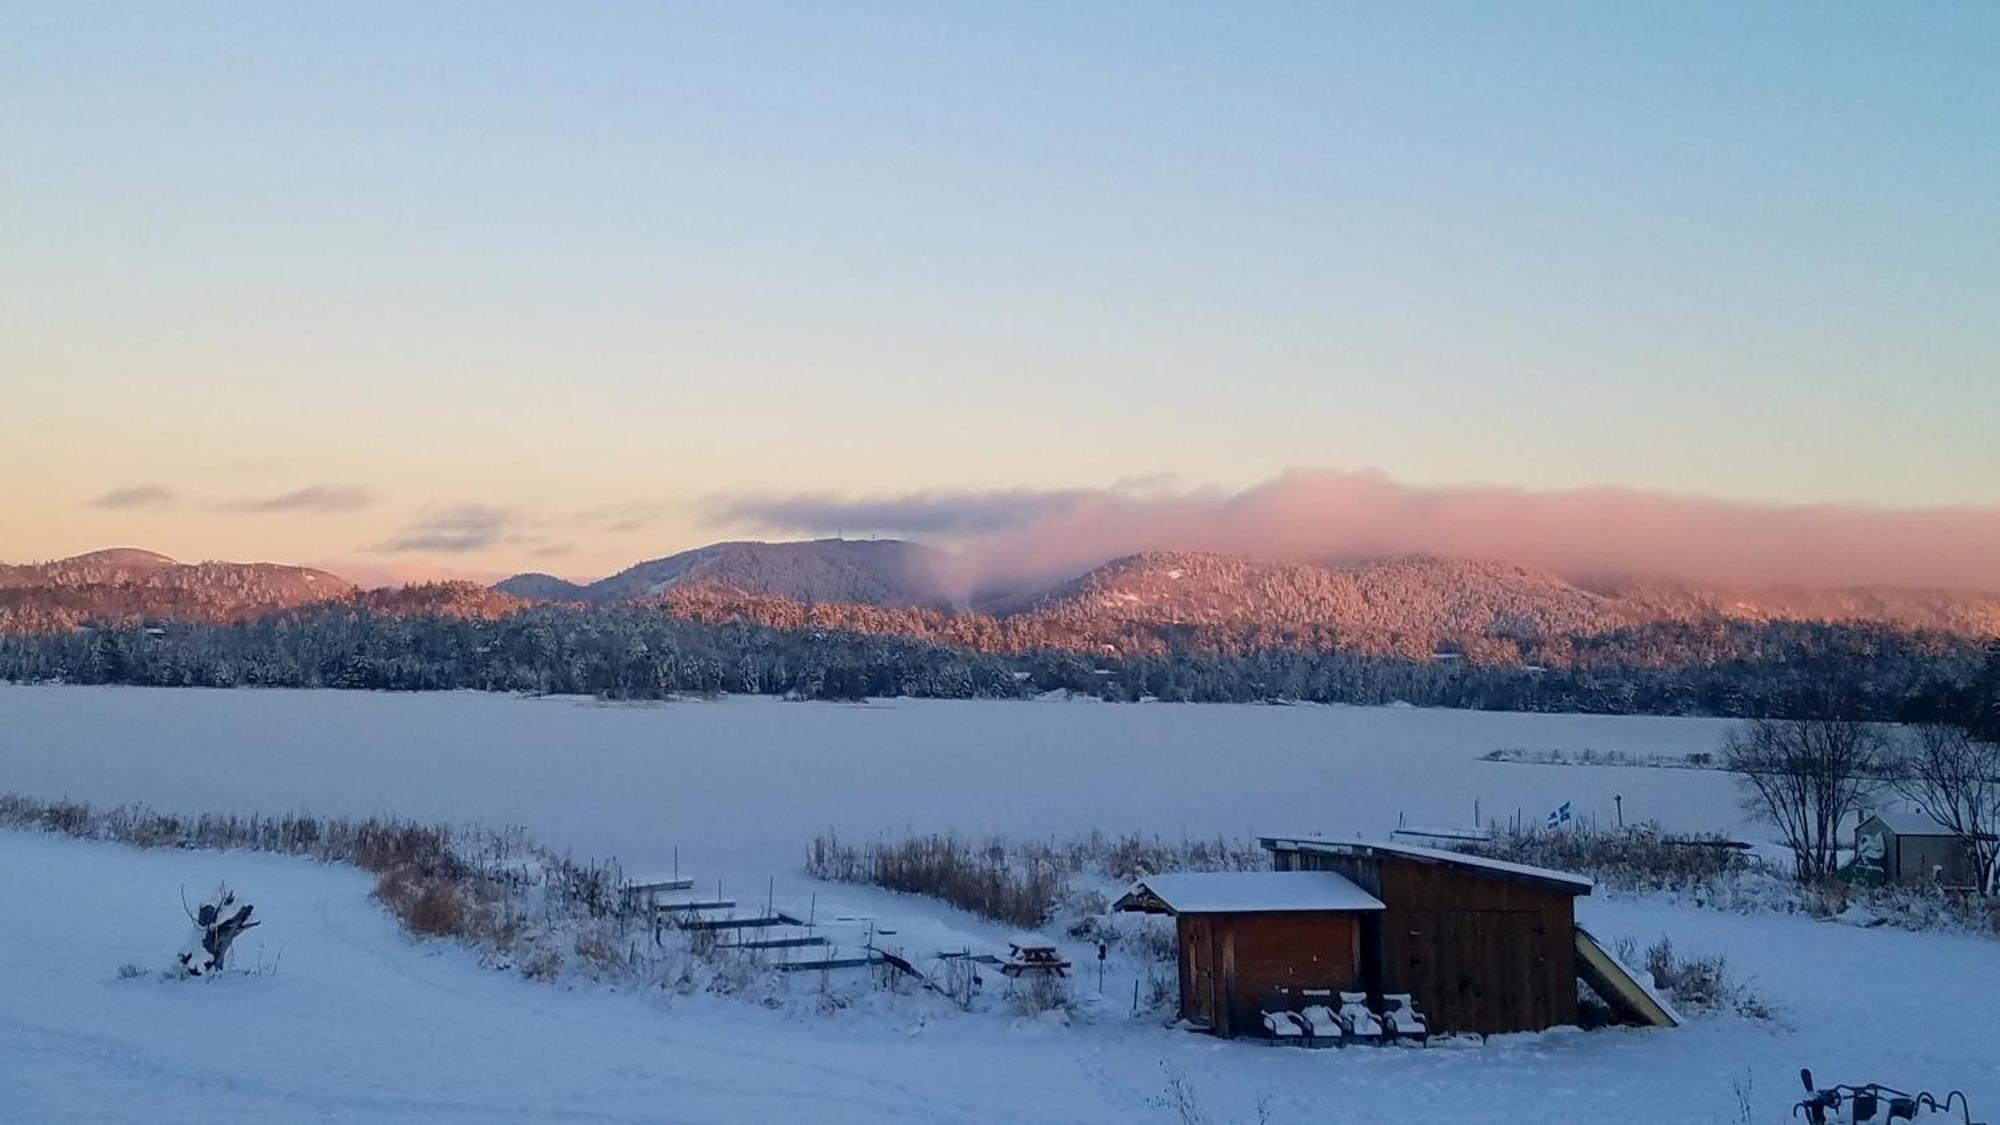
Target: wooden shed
(1483, 945)
(1249, 935)
(1911, 848)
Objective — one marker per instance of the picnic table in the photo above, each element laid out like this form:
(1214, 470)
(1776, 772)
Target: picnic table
(1033, 959)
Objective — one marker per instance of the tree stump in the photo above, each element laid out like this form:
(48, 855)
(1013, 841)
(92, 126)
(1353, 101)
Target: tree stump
(218, 922)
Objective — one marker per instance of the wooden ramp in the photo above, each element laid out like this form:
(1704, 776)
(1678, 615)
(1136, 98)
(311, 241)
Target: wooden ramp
(1630, 999)
(783, 937)
(776, 937)
(738, 920)
(694, 905)
(830, 957)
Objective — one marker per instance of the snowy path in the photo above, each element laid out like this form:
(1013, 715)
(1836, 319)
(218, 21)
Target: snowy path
(359, 1023)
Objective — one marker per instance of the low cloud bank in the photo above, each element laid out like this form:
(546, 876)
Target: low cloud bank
(316, 499)
(134, 496)
(456, 530)
(1020, 536)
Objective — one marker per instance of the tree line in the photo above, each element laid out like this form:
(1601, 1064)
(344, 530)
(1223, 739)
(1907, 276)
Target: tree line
(640, 652)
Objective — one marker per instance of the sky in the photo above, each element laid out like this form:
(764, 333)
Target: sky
(470, 289)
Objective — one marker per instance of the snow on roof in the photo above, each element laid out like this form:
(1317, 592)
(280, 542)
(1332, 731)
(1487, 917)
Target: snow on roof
(1435, 855)
(655, 879)
(1467, 835)
(1905, 822)
(1255, 892)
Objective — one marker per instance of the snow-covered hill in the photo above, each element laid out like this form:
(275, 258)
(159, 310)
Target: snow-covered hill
(125, 585)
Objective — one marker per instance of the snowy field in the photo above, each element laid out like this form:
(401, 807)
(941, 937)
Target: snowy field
(740, 784)
(361, 1023)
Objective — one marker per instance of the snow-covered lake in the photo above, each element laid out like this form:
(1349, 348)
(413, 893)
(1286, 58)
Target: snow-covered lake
(739, 785)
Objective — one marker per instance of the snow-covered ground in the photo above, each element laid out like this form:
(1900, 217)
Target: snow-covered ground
(353, 1021)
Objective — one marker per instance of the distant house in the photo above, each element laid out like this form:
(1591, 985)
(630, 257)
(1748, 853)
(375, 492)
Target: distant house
(1910, 848)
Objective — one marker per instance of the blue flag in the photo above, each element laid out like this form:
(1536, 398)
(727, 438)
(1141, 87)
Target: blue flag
(1560, 816)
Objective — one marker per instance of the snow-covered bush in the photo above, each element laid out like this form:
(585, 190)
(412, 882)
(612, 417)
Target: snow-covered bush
(1694, 984)
(1184, 1104)
(1038, 994)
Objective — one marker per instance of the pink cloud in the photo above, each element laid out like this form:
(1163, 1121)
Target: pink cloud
(1328, 516)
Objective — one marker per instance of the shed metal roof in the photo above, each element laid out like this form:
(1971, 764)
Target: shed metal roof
(1247, 892)
(1906, 823)
(1494, 868)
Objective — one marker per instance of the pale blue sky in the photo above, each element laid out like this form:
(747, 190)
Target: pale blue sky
(570, 258)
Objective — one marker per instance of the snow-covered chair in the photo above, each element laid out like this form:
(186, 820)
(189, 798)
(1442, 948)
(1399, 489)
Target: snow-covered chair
(1285, 1027)
(1399, 1012)
(1360, 1023)
(1323, 1024)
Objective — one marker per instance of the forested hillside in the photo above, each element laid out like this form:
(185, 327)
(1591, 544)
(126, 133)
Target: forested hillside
(866, 618)
(126, 586)
(642, 653)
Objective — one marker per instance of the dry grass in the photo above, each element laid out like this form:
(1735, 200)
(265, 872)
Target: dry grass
(1642, 858)
(373, 844)
(985, 880)
(1019, 882)
(428, 906)
(469, 885)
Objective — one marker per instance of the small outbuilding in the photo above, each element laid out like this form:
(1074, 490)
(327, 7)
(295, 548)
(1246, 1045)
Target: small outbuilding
(1480, 945)
(1911, 848)
(1248, 935)
(1483, 945)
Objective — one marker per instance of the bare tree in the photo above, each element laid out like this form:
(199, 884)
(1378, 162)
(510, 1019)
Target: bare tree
(1955, 779)
(1807, 776)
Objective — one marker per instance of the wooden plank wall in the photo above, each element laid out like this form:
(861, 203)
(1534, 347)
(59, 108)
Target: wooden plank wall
(1479, 954)
(1230, 963)
(1263, 953)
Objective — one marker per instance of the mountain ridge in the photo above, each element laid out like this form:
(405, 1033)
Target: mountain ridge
(1416, 606)
(126, 585)
(885, 572)
(1403, 594)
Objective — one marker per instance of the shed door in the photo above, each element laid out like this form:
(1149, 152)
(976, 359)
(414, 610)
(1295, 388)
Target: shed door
(1198, 971)
(1478, 970)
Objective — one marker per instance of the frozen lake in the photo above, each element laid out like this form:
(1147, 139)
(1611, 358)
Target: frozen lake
(740, 784)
